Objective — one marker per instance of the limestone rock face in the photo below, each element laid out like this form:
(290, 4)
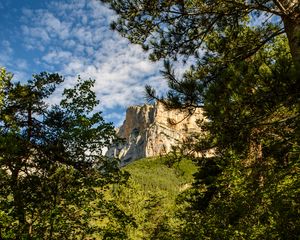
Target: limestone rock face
(151, 130)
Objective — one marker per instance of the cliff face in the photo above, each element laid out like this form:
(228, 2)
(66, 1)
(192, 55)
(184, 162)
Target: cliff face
(151, 130)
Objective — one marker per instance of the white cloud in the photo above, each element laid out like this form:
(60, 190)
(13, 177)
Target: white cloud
(18, 75)
(21, 64)
(5, 53)
(8, 60)
(117, 117)
(74, 38)
(57, 57)
(36, 33)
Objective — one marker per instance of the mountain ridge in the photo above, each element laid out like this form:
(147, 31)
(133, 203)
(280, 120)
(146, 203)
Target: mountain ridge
(152, 130)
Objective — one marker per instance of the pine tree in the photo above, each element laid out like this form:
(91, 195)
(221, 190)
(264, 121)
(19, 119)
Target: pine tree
(241, 191)
(53, 175)
(245, 74)
(173, 28)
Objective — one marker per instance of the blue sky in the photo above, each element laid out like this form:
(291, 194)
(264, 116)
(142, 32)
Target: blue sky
(72, 37)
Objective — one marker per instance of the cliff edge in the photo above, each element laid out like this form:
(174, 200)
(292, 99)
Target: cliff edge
(151, 130)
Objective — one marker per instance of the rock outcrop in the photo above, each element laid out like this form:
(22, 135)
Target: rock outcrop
(151, 130)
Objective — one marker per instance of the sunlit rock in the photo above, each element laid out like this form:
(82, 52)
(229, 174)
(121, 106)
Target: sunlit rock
(151, 130)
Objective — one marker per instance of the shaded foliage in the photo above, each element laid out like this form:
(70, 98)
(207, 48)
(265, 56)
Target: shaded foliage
(245, 74)
(53, 175)
(241, 191)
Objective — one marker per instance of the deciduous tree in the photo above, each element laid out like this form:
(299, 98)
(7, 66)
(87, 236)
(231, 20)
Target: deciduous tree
(53, 174)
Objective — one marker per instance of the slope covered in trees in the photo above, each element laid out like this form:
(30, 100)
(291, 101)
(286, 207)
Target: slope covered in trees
(150, 196)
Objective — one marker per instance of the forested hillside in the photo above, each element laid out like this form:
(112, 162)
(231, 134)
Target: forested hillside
(150, 196)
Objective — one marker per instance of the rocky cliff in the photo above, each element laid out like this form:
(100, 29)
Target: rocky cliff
(151, 130)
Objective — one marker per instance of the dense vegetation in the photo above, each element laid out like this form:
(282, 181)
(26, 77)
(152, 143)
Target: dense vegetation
(244, 71)
(52, 174)
(150, 196)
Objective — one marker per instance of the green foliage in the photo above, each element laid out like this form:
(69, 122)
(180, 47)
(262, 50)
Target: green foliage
(246, 78)
(4, 80)
(241, 192)
(150, 194)
(239, 208)
(53, 176)
(172, 29)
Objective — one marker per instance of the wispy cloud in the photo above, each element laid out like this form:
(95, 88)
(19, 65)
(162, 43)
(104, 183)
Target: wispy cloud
(74, 38)
(6, 52)
(8, 60)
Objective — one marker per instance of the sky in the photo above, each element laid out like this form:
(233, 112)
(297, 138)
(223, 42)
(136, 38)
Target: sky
(72, 37)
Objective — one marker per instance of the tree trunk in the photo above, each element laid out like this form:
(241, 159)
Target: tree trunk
(18, 201)
(292, 28)
(29, 122)
(255, 157)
